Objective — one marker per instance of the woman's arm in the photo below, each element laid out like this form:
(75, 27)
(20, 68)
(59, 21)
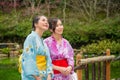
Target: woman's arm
(29, 58)
(70, 59)
(49, 65)
(60, 69)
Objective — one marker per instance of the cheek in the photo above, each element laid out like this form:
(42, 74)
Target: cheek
(56, 29)
(39, 24)
(63, 27)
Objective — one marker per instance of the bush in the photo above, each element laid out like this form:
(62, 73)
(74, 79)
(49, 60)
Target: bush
(6, 51)
(83, 34)
(14, 28)
(21, 51)
(101, 46)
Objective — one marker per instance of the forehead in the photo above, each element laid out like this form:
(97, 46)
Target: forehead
(59, 21)
(43, 17)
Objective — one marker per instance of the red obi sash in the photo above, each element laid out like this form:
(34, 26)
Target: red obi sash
(61, 63)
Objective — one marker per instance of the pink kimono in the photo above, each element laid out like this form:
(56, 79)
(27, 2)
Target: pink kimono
(57, 52)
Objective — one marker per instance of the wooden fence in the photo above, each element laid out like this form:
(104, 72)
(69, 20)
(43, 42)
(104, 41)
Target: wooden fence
(100, 67)
(13, 49)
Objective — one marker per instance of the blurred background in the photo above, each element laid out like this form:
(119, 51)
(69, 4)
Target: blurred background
(91, 26)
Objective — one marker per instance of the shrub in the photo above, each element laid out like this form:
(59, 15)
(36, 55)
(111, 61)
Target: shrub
(16, 28)
(101, 46)
(20, 51)
(6, 51)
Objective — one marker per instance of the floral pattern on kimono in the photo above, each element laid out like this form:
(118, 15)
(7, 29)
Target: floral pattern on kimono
(33, 47)
(62, 51)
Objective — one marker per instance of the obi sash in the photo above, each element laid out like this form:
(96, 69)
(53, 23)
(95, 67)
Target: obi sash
(61, 63)
(41, 62)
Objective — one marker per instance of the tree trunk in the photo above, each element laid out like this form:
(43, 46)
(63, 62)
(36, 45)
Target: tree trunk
(108, 9)
(64, 13)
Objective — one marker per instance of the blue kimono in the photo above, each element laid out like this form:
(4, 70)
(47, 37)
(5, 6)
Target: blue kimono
(35, 58)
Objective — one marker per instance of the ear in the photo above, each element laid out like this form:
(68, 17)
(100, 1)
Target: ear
(35, 24)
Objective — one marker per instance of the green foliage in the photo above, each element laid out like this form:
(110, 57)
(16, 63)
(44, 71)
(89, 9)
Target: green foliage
(6, 50)
(81, 33)
(115, 69)
(20, 51)
(78, 33)
(101, 46)
(23, 28)
(115, 63)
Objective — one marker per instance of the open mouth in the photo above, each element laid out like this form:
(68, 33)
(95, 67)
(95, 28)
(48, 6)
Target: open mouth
(46, 26)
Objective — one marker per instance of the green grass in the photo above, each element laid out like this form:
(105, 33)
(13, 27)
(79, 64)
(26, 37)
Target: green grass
(9, 73)
(115, 69)
(9, 69)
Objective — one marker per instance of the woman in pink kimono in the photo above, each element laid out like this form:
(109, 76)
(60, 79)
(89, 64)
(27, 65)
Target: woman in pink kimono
(61, 51)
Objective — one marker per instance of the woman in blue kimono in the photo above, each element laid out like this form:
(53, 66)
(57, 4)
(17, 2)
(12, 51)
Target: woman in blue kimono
(36, 61)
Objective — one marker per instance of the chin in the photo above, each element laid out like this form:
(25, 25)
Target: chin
(60, 33)
(45, 29)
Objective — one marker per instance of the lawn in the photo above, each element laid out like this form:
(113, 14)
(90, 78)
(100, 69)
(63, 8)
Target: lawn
(9, 69)
(115, 71)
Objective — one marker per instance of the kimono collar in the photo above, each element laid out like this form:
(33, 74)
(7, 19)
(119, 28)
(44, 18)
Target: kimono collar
(54, 38)
(33, 32)
(54, 42)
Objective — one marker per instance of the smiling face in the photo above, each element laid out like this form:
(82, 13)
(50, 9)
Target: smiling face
(59, 28)
(42, 24)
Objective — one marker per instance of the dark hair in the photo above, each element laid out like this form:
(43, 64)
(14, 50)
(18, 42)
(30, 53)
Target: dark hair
(35, 20)
(53, 23)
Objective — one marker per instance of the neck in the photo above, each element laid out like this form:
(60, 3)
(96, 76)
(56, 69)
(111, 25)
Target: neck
(57, 37)
(39, 32)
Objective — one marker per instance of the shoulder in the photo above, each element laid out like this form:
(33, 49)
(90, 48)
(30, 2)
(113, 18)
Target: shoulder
(30, 38)
(65, 40)
(47, 40)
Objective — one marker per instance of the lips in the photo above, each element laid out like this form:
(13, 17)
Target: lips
(60, 30)
(46, 26)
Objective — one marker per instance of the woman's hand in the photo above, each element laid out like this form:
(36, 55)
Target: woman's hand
(62, 70)
(49, 77)
(37, 77)
(68, 70)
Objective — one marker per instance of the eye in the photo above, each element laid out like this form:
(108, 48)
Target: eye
(43, 20)
(61, 24)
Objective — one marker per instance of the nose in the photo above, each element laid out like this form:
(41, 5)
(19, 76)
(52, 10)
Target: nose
(45, 21)
(61, 26)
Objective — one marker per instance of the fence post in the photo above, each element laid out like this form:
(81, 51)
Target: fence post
(79, 71)
(108, 65)
(86, 69)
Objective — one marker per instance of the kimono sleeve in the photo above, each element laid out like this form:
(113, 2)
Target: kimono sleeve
(49, 63)
(29, 66)
(71, 55)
